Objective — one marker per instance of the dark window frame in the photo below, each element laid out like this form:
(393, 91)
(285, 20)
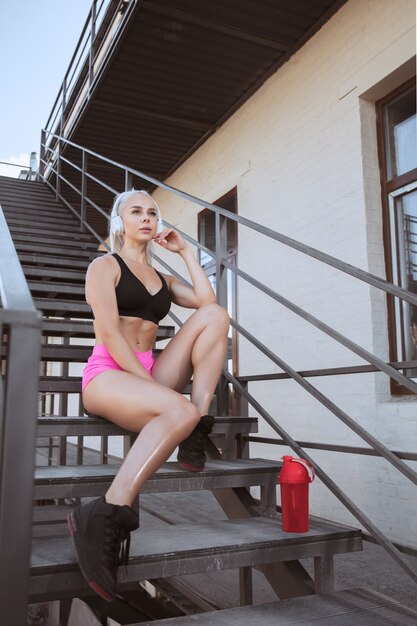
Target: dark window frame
(387, 187)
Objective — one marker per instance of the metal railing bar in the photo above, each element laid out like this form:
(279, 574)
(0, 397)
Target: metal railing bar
(326, 480)
(328, 330)
(77, 215)
(86, 24)
(194, 242)
(76, 104)
(404, 548)
(100, 182)
(76, 51)
(93, 232)
(100, 210)
(48, 149)
(70, 185)
(325, 401)
(76, 167)
(15, 164)
(372, 441)
(90, 228)
(329, 371)
(367, 277)
(330, 447)
(14, 290)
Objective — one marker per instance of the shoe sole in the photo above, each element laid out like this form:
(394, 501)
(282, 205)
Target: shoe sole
(95, 586)
(192, 468)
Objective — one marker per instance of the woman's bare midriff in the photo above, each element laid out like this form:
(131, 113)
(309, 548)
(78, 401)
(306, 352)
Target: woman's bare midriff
(140, 334)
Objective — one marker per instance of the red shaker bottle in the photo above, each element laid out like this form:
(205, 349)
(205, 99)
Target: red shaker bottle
(294, 479)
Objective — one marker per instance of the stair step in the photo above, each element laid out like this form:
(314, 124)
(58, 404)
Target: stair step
(351, 607)
(32, 211)
(49, 287)
(82, 329)
(64, 243)
(18, 229)
(93, 480)
(46, 260)
(51, 274)
(56, 249)
(32, 206)
(70, 225)
(188, 549)
(67, 354)
(71, 426)
(55, 307)
(60, 353)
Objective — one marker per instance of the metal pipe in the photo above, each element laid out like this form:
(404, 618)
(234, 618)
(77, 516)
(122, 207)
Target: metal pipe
(330, 447)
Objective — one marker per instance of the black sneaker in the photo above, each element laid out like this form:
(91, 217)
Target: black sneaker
(101, 535)
(191, 455)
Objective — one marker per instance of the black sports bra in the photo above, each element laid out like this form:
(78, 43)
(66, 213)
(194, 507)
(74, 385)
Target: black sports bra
(134, 300)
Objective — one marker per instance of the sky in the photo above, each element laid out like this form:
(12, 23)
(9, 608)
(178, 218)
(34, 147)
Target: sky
(37, 40)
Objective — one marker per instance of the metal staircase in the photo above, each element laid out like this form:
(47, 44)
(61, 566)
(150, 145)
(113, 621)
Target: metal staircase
(54, 255)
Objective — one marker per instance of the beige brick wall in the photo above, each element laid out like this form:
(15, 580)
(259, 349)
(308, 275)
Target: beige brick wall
(302, 153)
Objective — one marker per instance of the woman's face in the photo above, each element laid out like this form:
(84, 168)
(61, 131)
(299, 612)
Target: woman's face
(140, 218)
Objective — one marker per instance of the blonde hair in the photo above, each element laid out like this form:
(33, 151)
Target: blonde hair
(117, 238)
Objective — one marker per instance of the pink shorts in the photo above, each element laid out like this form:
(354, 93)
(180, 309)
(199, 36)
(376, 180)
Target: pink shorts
(101, 360)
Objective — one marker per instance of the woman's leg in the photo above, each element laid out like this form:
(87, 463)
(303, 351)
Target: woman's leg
(163, 417)
(199, 348)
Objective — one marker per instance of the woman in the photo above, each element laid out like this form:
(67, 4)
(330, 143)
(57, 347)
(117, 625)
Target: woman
(125, 384)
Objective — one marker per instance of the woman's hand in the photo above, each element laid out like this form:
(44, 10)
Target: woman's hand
(170, 240)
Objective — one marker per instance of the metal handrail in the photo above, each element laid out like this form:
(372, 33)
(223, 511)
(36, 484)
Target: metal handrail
(328, 260)
(18, 420)
(62, 95)
(97, 33)
(331, 447)
(325, 258)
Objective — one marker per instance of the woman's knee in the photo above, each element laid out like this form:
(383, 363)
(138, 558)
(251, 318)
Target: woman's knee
(215, 314)
(184, 414)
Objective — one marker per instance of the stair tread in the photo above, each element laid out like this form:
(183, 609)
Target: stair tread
(41, 258)
(56, 287)
(95, 425)
(80, 473)
(213, 541)
(18, 229)
(85, 328)
(360, 606)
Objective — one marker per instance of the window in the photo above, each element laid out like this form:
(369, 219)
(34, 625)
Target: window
(396, 116)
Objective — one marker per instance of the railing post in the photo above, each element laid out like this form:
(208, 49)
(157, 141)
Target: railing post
(61, 132)
(18, 435)
(128, 180)
(221, 293)
(42, 155)
(83, 189)
(92, 45)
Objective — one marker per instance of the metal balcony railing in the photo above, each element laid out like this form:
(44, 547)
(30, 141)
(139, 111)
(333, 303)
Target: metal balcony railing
(50, 170)
(101, 31)
(20, 325)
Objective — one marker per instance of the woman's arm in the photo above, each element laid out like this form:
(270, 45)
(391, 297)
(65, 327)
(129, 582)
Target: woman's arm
(101, 296)
(201, 292)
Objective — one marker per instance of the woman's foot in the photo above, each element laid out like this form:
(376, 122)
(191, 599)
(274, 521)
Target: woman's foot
(191, 454)
(99, 531)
